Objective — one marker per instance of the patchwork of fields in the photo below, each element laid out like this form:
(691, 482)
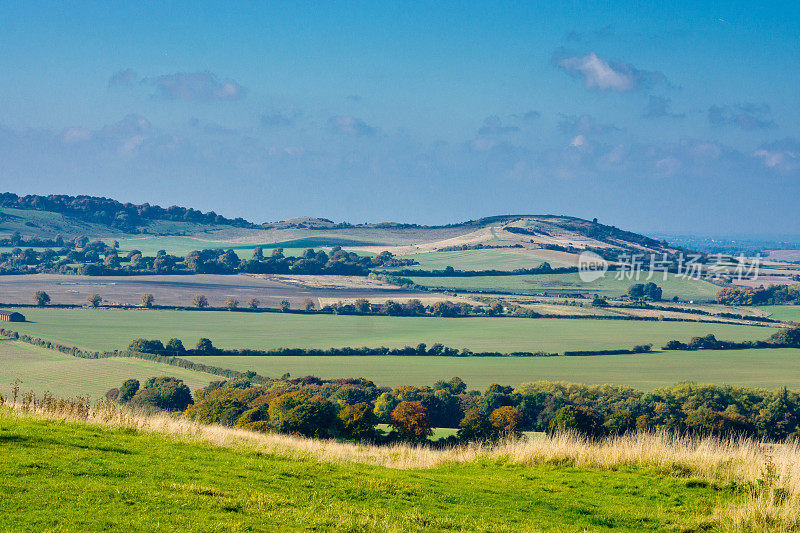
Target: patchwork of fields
(108, 329)
(783, 312)
(685, 289)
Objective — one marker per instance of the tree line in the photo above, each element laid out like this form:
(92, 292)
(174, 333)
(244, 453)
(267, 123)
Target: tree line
(351, 409)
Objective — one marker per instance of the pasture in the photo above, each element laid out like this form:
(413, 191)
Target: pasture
(43, 370)
(768, 368)
(684, 289)
(108, 329)
(491, 259)
(783, 312)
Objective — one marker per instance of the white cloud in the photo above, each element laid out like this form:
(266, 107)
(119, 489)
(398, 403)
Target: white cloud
(598, 73)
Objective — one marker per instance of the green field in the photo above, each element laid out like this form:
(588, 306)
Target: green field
(107, 329)
(180, 246)
(498, 259)
(769, 368)
(42, 370)
(685, 289)
(783, 312)
(57, 476)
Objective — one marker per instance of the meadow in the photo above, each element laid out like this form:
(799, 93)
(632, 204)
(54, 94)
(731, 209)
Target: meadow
(769, 368)
(43, 370)
(685, 289)
(497, 259)
(783, 312)
(171, 476)
(108, 329)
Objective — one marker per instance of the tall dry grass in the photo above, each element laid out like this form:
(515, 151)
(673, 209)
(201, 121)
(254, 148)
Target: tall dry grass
(767, 475)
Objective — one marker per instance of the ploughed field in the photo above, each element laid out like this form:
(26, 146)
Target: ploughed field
(109, 329)
(178, 290)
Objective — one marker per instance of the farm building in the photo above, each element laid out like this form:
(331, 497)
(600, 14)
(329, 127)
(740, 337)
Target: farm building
(11, 316)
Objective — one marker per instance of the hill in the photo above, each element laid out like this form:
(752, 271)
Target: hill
(48, 216)
(157, 474)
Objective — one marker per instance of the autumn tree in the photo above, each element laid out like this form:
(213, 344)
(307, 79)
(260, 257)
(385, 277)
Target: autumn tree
(506, 421)
(41, 298)
(199, 301)
(358, 421)
(253, 303)
(94, 299)
(231, 302)
(308, 304)
(147, 300)
(410, 420)
(285, 305)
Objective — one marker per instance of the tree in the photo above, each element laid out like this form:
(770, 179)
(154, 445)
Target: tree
(199, 301)
(496, 308)
(167, 393)
(636, 291)
(362, 305)
(297, 412)
(285, 305)
(128, 390)
(653, 292)
(147, 300)
(308, 304)
(95, 300)
(475, 427)
(577, 418)
(506, 421)
(231, 302)
(253, 303)
(410, 419)
(41, 298)
(358, 421)
(175, 347)
(204, 346)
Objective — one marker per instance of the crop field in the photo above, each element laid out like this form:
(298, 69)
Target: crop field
(768, 368)
(783, 312)
(178, 290)
(180, 246)
(83, 477)
(685, 289)
(43, 370)
(497, 259)
(107, 329)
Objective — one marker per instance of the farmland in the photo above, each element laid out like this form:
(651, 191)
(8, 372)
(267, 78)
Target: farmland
(770, 369)
(42, 370)
(108, 329)
(488, 259)
(685, 289)
(783, 312)
(178, 290)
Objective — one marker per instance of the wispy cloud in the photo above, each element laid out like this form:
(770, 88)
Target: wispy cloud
(275, 120)
(494, 126)
(659, 107)
(603, 75)
(747, 116)
(123, 78)
(349, 125)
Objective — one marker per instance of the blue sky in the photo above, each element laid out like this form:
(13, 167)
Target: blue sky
(654, 116)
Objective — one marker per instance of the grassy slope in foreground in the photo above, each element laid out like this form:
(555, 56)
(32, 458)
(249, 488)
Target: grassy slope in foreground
(685, 289)
(43, 370)
(106, 329)
(76, 477)
(769, 369)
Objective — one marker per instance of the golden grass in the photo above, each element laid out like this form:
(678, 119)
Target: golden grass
(766, 474)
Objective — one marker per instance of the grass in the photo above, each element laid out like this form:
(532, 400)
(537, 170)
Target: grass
(43, 370)
(770, 369)
(107, 329)
(499, 259)
(783, 312)
(180, 245)
(67, 476)
(685, 289)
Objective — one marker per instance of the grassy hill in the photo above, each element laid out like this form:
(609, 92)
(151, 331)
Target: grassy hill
(69, 476)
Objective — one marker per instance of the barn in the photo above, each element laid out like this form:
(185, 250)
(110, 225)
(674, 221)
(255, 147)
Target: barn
(11, 316)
